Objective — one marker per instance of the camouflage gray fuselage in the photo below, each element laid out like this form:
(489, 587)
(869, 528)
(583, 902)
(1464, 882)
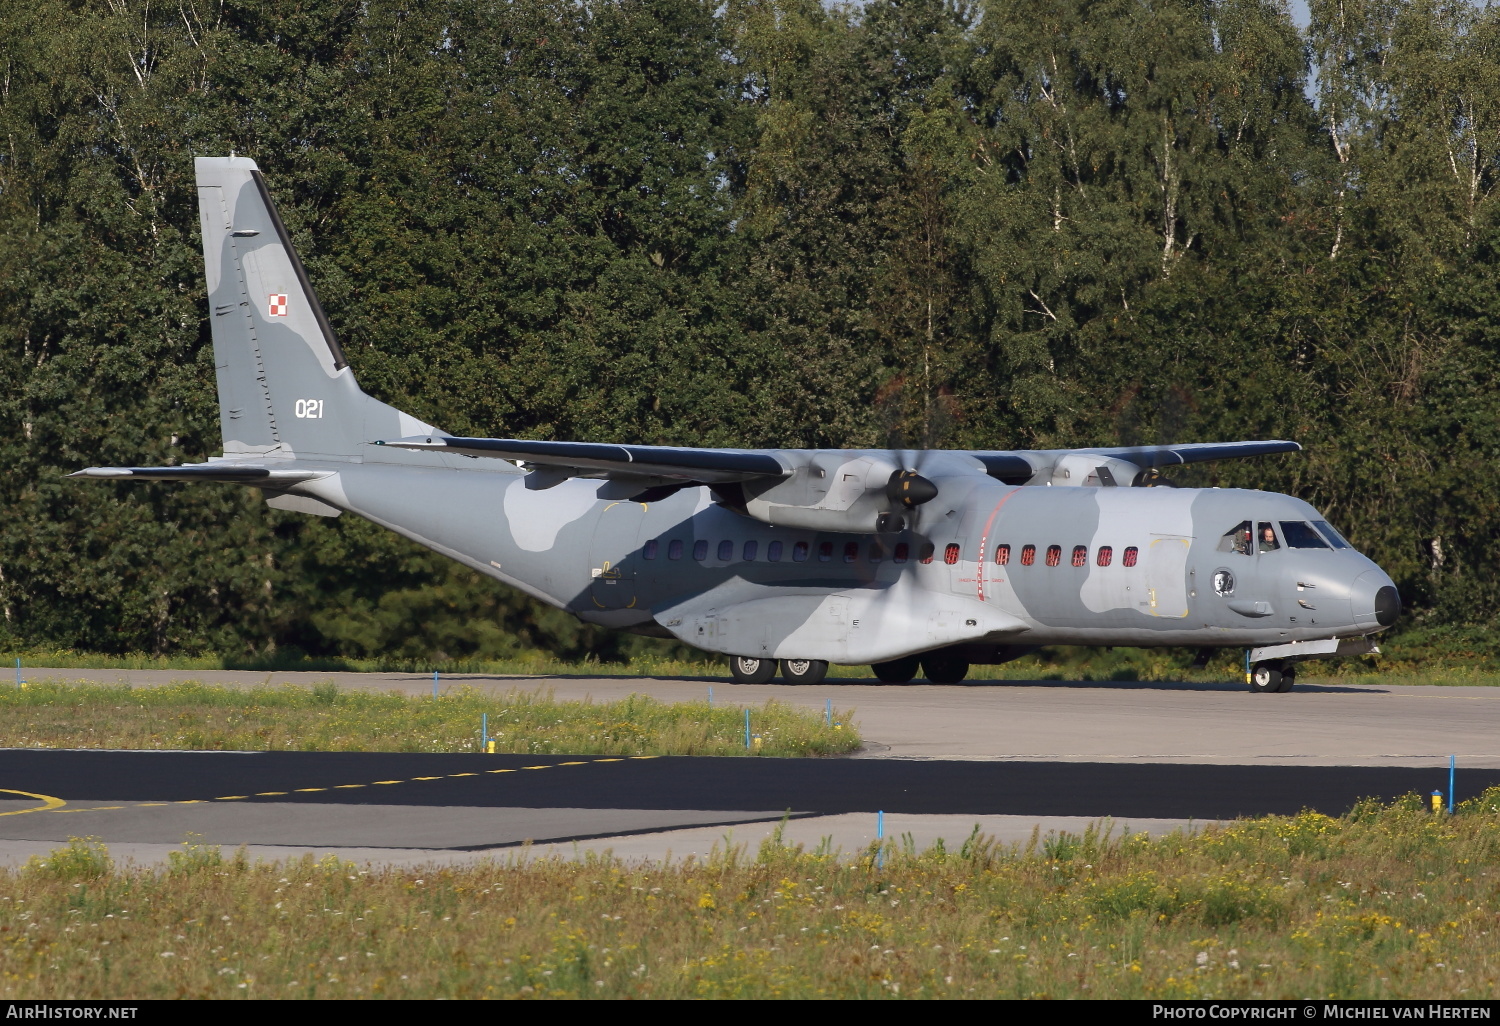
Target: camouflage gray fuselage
(755, 552)
(588, 555)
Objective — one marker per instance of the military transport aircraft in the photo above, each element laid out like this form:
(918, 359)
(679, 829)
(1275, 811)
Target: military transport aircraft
(914, 562)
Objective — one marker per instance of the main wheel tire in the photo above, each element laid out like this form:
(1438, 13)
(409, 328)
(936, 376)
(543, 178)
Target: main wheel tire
(944, 669)
(898, 671)
(750, 670)
(803, 671)
(1265, 678)
(1288, 678)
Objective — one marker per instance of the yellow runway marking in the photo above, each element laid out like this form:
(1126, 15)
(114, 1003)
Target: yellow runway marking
(51, 802)
(643, 756)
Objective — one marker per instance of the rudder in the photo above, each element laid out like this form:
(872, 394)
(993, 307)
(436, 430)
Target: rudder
(284, 385)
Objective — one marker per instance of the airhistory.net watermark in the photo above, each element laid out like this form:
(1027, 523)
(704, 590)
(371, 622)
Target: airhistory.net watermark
(47, 1010)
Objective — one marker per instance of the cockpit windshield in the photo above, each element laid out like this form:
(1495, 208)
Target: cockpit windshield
(1299, 535)
(1334, 538)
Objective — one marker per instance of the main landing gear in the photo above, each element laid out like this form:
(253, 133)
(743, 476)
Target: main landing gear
(1273, 677)
(938, 667)
(752, 670)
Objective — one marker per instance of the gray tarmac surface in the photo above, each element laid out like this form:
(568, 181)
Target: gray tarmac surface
(1033, 721)
(1053, 721)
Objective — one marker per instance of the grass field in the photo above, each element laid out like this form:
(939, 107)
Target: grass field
(1386, 902)
(53, 714)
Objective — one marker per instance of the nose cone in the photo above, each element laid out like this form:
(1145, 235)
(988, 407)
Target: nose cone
(1375, 601)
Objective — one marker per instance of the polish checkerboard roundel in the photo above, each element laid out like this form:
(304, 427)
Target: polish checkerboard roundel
(278, 304)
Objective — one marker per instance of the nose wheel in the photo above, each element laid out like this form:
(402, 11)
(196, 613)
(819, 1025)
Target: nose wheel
(1272, 678)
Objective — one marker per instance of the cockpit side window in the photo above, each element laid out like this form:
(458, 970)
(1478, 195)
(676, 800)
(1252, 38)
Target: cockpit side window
(1238, 539)
(1334, 538)
(1265, 537)
(1300, 536)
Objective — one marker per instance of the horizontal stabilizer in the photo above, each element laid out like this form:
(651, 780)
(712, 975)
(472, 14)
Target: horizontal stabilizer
(710, 466)
(233, 473)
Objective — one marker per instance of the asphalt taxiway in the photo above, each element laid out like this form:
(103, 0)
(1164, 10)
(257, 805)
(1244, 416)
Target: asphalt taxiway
(1008, 758)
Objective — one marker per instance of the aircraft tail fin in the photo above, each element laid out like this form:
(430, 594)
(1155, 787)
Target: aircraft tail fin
(284, 385)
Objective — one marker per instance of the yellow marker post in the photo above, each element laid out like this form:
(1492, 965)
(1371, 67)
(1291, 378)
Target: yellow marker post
(1437, 802)
(489, 747)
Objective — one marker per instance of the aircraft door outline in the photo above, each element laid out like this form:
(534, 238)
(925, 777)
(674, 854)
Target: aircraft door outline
(617, 530)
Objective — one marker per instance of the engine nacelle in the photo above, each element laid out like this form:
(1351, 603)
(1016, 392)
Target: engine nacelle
(1082, 470)
(831, 493)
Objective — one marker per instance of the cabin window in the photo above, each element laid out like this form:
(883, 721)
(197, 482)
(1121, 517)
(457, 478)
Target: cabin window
(1002, 555)
(674, 548)
(825, 551)
(1238, 539)
(927, 551)
(1130, 555)
(1080, 555)
(1300, 536)
(902, 553)
(950, 554)
(1106, 553)
(1334, 538)
(1028, 555)
(1265, 538)
(700, 550)
(1054, 555)
(851, 551)
(799, 552)
(751, 548)
(877, 552)
(773, 552)
(726, 551)
(648, 551)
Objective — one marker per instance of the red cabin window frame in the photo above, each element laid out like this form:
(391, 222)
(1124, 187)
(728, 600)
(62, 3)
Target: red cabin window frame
(950, 554)
(1002, 555)
(902, 553)
(1131, 555)
(927, 552)
(1054, 555)
(1105, 556)
(1028, 555)
(1080, 555)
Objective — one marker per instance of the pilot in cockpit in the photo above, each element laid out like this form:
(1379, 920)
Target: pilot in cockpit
(1268, 540)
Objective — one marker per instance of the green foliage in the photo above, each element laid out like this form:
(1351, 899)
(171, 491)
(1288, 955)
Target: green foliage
(84, 858)
(771, 222)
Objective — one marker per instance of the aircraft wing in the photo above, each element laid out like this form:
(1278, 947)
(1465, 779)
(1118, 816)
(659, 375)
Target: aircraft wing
(1041, 465)
(232, 473)
(591, 459)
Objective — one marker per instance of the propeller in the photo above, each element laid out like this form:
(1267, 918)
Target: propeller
(906, 490)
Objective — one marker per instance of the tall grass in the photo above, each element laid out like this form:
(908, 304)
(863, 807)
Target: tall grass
(324, 718)
(1386, 902)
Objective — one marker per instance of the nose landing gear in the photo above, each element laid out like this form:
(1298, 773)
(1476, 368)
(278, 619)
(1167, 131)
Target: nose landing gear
(1273, 677)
